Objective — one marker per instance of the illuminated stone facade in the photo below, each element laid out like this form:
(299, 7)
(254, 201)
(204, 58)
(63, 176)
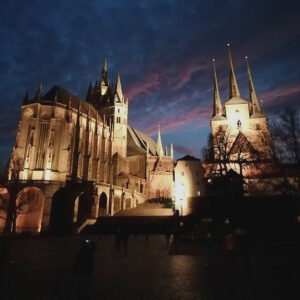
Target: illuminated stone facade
(189, 184)
(240, 124)
(61, 137)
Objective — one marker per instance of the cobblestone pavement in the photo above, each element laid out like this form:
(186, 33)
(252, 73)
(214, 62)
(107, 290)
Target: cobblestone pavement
(146, 267)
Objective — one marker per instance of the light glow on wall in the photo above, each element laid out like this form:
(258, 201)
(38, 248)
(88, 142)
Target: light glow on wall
(47, 174)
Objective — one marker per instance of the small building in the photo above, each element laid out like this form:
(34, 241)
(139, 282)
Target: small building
(189, 184)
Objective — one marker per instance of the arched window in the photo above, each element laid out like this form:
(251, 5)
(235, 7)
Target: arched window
(103, 205)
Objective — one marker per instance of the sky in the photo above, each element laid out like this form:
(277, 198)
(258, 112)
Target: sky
(162, 50)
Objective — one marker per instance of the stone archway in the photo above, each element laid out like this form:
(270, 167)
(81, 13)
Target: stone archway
(102, 205)
(30, 205)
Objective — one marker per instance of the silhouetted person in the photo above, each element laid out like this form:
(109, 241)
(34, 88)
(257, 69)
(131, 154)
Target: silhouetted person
(168, 236)
(83, 268)
(231, 247)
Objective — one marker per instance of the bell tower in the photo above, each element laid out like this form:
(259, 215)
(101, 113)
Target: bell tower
(113, 108)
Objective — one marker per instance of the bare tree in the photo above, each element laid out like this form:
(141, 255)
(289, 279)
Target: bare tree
(285, 132)
(223, 154)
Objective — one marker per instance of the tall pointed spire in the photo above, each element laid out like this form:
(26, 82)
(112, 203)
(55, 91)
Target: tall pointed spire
(104, 78)
(217, 110)
(159, 147)
(233, 87)
(166, 151)
(118, 90)
(39, 92)
(172, 152)
(26, 98)
(254, 104)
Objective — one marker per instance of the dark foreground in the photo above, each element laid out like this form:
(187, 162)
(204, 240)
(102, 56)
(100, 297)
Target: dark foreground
(146, 267)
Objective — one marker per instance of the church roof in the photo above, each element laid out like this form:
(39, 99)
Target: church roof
(236, 100)
(137, 142)
(60, 95)
(218, 118)
(189, 158)
(257, 115)
(242, 144)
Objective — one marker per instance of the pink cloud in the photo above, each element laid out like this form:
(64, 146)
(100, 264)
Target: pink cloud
(280, 92)
(199, 114)
(160, 78)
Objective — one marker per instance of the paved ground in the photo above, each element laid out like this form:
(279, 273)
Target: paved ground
(148, 268)
(41, 269)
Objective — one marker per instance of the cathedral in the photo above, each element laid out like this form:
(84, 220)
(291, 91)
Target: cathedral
(240, 132)
(62, 138)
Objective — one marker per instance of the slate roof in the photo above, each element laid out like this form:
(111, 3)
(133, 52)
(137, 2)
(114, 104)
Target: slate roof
(188, 158)
(137, 142)
(63, 96)
(236, 100)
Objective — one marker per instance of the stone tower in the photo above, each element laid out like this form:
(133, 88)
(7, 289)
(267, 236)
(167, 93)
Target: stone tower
(111, 105)
(243, 121)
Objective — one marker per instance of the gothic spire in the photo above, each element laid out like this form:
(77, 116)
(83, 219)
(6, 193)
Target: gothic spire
(39, 92)
(118, 90)
(172, 152)
(254, 104)
(104, 77)
(26, 98)
(217, 110)
(159, 147)
(233, 87)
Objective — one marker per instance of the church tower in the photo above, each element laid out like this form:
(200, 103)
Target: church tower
(242, 122)
(112, 106)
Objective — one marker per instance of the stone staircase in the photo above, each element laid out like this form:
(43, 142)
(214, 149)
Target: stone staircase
(146, 209)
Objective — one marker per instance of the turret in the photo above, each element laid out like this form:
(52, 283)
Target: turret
(104, 74)
(39, 91)
(26, 98)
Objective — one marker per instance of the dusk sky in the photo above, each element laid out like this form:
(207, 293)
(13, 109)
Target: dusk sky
(163, 51)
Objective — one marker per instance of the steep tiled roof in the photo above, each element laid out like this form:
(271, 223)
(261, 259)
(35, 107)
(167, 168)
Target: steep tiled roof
(63, 96)
(137, 142)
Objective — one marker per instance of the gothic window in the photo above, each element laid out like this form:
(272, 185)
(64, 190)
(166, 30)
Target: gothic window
(220, 128)
(56, 145)
(41, 146)
(239, 124)
(257, 126)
